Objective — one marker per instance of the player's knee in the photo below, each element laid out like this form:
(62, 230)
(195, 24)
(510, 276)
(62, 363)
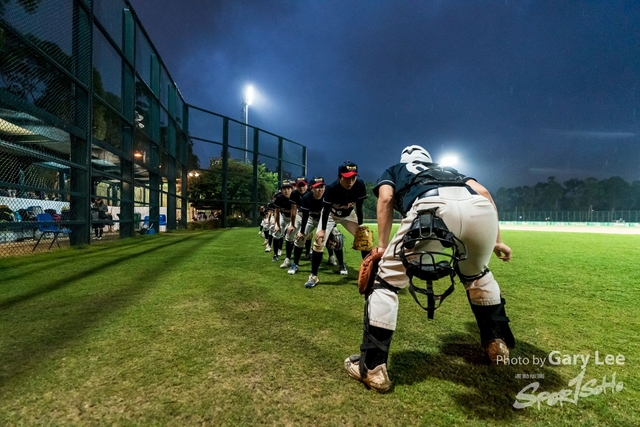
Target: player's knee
(383, 308)
(484, 290)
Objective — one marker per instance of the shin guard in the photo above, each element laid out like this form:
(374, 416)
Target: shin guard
(493, 323)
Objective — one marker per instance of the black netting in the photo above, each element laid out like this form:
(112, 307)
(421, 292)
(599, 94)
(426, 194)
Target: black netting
(28, 75)
(32, 19)
(109, 13)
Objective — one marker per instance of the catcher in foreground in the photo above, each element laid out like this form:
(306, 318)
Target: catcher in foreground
(450, 228)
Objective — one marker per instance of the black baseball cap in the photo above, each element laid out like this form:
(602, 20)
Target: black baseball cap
(301, 180)
(286, 183)
(317, 181)
(348, 169)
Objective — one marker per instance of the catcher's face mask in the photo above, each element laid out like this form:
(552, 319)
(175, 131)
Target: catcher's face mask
(429, 251)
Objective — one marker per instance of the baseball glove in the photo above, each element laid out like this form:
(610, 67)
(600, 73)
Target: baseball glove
(363, 240)
(368, 271)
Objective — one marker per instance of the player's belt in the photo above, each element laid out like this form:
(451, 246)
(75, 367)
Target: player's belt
(431, 193)
(434, 192)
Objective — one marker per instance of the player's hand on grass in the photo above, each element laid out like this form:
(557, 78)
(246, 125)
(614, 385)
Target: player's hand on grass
(319, 235)
(502, 251)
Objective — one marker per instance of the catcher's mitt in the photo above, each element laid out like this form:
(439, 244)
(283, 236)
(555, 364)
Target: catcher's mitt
(363, 240)
(336, 240)
(368, 271)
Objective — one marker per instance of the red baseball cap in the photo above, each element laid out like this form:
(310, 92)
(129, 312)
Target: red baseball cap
(348, 169)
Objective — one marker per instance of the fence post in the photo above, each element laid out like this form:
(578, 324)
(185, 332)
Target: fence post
(254, 195)
(225, 169)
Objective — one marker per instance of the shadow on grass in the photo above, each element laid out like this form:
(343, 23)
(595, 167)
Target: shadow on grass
(26, 266)
(37, 336)
(492, 389)
(93, 270)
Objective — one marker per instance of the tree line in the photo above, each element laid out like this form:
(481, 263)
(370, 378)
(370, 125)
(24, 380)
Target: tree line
(590, 194)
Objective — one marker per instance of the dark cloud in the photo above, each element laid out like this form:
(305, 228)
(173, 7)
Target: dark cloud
(516, 88)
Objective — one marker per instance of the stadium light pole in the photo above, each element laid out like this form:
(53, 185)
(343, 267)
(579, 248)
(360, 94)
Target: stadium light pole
(248, 99)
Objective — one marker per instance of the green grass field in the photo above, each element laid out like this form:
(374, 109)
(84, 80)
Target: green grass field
(200, 328)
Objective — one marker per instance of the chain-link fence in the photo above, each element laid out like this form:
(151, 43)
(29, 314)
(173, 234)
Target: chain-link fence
(571, 216)
(236, 168)
(94, 138)
(93, 130)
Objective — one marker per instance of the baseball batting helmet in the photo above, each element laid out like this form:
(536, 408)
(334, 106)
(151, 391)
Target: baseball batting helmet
(335, 240)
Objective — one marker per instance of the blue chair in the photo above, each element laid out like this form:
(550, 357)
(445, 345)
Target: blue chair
(163, 219)
(46, 225)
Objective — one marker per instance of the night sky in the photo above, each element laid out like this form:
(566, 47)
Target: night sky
(518, 90)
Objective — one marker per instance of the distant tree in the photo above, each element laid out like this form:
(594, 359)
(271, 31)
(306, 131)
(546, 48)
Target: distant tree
(574, 188)
(549, 194)
(591, 195)
(370, 203)
(206, 189)
(29, 6)
(613, 192)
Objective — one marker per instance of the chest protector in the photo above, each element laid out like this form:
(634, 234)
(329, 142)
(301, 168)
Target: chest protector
(423, 178)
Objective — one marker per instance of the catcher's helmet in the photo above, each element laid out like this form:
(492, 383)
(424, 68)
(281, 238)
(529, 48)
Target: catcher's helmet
(335, 241)
(415, 153)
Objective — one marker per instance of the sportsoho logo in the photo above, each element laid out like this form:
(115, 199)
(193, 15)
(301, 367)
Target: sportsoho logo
(576, 388)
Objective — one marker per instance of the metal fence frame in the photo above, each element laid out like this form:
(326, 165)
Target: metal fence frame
(285, 168)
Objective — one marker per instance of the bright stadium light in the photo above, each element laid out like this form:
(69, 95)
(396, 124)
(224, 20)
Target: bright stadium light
(449, 160)
(249, 95)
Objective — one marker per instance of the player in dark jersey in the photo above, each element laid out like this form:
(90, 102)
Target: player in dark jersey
(283, 206)
(309, 211)
(343, 201)
(270, 223)
(414, 186)
(263, 215)
(303, 188)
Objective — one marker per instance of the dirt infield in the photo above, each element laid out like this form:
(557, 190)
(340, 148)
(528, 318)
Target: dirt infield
(574, 228)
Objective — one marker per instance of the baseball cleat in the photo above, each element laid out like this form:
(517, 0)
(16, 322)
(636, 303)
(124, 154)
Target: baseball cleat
(268, 248)
(343, 270)
(313, 280)
(498, 352)
(333, 260)
(286, 263)
(376, 378)
(293, 269)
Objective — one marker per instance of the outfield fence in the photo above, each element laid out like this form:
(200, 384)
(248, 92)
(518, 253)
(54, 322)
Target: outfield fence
(570, 216)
